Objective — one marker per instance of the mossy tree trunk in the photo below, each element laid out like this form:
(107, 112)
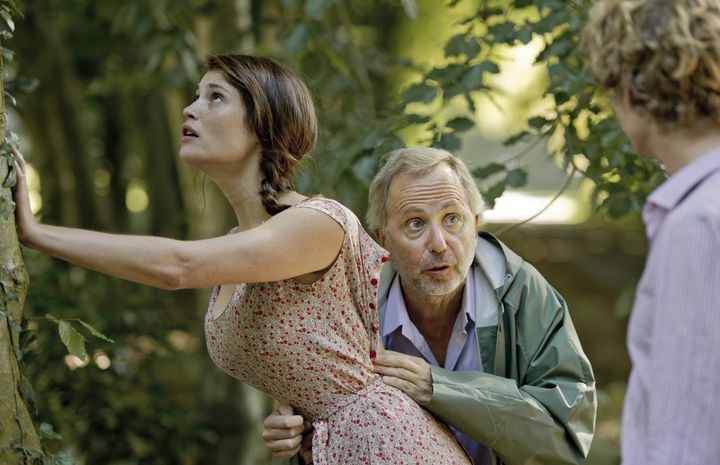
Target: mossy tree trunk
(18, 439)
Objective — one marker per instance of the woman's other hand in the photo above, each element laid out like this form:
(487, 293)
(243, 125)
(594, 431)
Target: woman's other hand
(283, 432)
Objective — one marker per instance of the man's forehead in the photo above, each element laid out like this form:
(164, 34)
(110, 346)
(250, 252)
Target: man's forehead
(437, 186)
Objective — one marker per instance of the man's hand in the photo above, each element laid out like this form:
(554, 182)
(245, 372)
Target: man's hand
(410, 374)
(283, 434)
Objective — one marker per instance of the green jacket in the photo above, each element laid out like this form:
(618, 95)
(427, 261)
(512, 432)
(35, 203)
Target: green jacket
(535, 404)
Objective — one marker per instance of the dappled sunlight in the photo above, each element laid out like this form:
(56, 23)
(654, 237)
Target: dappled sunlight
(136, 198)
(516, 207)
(33, 180)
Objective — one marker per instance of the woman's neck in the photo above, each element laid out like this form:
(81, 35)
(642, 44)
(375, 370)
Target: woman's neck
(241, 188)
(240, 184)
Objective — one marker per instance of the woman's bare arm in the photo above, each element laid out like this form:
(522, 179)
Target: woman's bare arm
(293, 243)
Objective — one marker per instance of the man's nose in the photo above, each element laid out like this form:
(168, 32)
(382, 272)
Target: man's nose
(437, 241)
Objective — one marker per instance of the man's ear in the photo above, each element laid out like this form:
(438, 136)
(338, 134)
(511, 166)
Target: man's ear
(380, 237)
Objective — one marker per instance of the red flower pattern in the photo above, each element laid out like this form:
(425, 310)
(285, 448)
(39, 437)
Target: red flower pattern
(310, 346)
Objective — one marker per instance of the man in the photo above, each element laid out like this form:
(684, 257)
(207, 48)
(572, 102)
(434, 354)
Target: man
(474, 334)
(659, 62)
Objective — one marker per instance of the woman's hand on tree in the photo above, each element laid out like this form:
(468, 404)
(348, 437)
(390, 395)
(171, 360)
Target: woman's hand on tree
(24, 219)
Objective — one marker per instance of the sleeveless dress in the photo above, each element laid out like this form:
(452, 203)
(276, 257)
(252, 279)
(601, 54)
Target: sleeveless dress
(309, 346)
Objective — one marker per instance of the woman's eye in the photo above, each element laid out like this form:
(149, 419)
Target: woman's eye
(217, 98)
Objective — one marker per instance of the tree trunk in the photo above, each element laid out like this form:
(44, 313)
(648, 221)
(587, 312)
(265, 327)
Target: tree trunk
(18, 439)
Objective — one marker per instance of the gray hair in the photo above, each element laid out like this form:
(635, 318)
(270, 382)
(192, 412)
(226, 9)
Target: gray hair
(416, 160)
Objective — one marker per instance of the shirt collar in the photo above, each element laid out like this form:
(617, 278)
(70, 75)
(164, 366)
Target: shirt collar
(400, 318)
(677, 186)
(669, 194)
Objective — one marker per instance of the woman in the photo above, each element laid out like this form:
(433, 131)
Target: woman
(301, 325)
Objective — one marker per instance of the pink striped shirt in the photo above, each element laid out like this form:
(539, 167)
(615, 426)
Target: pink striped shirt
(672, 405)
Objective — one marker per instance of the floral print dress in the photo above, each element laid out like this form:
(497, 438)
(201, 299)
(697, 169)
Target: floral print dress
(309, 345)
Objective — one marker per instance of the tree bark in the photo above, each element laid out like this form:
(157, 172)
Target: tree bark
(17, 433)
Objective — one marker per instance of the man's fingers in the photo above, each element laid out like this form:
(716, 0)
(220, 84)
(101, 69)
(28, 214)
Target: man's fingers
(273, 434)
(283, 445)
(284, 409)
(406, 387)
(398, 360)
(284, 454)
(284, 422)
(401, 373)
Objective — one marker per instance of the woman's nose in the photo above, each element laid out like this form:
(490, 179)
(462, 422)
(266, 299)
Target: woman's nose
(189, 112)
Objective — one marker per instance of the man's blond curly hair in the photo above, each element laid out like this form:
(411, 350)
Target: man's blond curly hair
(667, 53)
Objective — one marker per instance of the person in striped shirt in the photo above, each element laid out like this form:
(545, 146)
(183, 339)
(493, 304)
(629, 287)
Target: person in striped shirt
(659, 61)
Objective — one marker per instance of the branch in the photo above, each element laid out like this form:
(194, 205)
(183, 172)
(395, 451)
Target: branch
(544, 209)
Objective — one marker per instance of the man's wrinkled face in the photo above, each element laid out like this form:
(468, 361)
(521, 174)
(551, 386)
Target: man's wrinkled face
(430, 231)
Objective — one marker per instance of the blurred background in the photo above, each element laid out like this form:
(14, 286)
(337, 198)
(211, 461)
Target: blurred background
(98, 87)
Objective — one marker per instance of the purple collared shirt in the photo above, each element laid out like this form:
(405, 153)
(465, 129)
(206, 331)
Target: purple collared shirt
(672, 405)
(401, 335)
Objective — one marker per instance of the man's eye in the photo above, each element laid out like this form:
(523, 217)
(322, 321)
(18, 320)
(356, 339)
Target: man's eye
(452, 219)
(415, 224)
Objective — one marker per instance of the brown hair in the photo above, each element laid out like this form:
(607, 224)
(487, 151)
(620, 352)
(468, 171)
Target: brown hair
(667, 53)
(280, 113)
(416, 160)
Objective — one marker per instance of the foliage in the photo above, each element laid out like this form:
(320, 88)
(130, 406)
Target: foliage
(585, 138)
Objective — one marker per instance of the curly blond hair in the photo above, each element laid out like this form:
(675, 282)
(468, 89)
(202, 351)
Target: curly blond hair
(667, 53)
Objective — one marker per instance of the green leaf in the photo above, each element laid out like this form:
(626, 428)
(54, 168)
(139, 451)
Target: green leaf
(488, 170)
(525, 35)
(537, 122)
(461, 124)
(410, 8)
(450, 142)
(474, 77)
(446, 75)
(420, 93)
(456, 45)
(416, 119)
(26, 391)
(512, 140)
(317, 8)
(73, 340)
(504, 32)
(296, 41)
(492, 194)
(516, 178)
(95, 332)
(61, 458)
(46, 430)
(453, 90)
(618, 205)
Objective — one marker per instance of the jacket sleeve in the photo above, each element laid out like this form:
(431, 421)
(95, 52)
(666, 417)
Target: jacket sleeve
(548, 417)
